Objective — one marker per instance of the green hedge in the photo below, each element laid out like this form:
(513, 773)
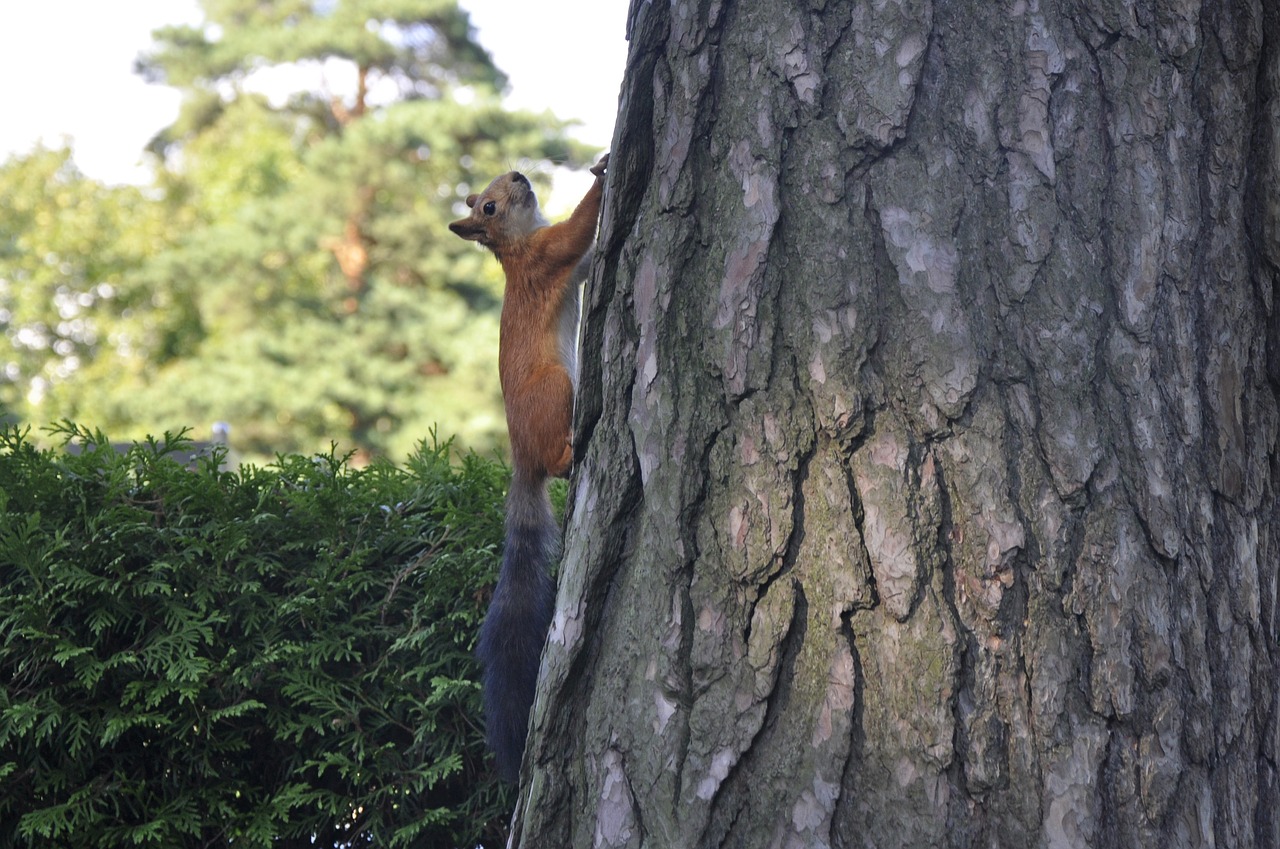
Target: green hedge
(271, 656)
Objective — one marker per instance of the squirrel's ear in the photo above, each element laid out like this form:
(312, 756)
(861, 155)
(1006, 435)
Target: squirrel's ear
(471, 201)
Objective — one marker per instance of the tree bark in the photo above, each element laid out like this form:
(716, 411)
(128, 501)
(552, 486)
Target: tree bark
(927, 463)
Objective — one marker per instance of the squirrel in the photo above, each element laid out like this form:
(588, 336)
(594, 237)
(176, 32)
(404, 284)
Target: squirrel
(537, 363)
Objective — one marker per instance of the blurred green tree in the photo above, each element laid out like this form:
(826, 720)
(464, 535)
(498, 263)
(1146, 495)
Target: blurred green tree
(310, 292)
(71, 309)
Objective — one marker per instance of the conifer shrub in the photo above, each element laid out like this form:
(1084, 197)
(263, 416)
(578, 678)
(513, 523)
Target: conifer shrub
(275, 656)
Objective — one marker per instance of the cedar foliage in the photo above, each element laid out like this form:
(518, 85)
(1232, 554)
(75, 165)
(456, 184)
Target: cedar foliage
(273, 656)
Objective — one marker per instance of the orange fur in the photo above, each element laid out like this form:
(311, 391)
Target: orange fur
(537, 362)
(540, 262)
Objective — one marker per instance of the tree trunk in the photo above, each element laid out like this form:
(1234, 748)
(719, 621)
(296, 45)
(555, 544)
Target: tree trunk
(927, 475)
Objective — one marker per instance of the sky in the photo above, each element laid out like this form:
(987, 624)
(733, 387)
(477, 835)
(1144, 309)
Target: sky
(66, 71)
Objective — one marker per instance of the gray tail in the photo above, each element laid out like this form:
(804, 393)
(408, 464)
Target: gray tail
(515, 627)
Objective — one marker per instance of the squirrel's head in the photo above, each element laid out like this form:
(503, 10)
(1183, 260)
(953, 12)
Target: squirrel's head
(505, 211)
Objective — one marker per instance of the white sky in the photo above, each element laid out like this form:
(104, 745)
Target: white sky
(66, 70)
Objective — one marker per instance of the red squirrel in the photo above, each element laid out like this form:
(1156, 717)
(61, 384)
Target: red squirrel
(537, 363)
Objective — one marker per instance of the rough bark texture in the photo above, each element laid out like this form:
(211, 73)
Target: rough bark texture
(927, 480)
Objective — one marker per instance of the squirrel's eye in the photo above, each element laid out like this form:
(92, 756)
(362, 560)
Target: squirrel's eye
(490, 208)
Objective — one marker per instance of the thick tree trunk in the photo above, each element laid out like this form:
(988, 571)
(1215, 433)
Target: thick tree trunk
(927, 472)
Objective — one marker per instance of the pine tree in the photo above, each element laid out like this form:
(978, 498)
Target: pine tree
(319, 153)
(928, 468)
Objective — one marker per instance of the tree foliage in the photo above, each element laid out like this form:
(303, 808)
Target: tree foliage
(265, 657)
(290, 272)
(73, 311)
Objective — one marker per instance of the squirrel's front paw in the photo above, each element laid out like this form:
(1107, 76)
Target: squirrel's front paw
(600, 167)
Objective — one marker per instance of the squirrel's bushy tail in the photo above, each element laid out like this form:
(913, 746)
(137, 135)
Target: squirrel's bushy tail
(515, 627)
